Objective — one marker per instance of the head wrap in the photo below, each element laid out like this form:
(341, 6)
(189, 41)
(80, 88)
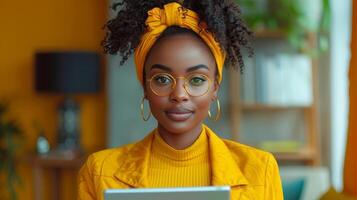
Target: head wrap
(174, 14)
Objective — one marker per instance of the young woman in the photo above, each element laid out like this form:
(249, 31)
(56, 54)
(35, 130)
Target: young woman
(180, 48)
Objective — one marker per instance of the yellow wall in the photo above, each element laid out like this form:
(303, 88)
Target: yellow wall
(350, 178)
(27, 26)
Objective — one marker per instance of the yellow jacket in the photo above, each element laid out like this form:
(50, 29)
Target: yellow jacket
(251, 173)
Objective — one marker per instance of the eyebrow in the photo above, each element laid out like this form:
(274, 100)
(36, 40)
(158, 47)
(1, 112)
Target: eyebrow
(168, 69)
(162, 67)
(197, 67)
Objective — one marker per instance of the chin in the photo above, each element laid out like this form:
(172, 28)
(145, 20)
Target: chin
(178, 127)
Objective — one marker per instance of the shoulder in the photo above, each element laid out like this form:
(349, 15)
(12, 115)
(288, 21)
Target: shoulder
(247, 153)
(105, 162)
(254, 163)
(108, 161)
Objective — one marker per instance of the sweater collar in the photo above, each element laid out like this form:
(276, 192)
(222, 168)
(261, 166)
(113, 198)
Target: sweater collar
(225, 170)
(198, 148)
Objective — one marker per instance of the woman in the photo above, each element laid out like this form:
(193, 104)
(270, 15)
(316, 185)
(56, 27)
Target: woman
(180, 49)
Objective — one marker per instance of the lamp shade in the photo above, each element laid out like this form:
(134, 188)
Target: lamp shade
(67, 72)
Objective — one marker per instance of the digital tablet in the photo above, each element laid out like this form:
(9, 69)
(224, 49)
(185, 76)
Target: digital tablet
(182, 193)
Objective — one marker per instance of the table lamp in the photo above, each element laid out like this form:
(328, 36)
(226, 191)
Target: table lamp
(67, 73)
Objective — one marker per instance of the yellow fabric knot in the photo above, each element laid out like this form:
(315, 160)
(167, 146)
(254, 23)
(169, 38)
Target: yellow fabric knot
(174, 14)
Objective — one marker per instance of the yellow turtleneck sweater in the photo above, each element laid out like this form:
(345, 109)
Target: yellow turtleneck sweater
(169, 167)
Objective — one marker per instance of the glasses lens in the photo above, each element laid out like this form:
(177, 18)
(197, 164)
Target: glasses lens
(162, 84)
(197, 84)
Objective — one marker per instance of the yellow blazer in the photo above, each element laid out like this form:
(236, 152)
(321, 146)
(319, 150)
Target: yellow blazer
(251, 173)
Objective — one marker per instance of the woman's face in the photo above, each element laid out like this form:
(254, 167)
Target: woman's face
(182, 55)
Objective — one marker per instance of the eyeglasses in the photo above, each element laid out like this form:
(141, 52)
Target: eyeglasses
(163, 84)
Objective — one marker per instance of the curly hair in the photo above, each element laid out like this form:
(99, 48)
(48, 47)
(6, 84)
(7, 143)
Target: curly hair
(223, 18)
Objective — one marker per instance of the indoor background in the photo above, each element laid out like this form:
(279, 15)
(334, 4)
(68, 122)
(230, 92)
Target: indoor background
(296, 97)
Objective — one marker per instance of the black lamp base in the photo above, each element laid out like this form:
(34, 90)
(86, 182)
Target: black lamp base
(68, 131)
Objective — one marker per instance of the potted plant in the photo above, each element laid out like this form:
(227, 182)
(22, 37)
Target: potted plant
(10, 137)
(292, 18)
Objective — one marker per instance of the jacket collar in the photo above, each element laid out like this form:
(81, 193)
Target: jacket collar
(225, 170)
(134, 167)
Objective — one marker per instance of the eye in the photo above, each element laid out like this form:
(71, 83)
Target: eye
(162, 79)
(197, 80)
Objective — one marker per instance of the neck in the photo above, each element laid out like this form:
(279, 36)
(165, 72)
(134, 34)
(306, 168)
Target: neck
(180, 141)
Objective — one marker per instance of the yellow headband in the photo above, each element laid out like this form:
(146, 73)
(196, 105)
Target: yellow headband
(174, 14)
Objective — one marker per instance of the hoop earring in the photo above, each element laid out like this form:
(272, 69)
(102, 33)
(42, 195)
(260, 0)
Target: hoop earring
(216, 118)
(142, 110)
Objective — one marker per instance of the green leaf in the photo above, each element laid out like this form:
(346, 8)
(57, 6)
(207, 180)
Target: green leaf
(11, 136)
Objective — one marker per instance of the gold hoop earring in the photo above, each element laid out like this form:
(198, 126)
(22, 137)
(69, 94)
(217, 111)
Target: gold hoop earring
(216, 118)
(142, 110)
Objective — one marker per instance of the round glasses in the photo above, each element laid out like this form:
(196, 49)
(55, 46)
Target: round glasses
(163, 84)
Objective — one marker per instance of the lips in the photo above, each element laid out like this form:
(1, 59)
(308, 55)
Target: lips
(178, 114)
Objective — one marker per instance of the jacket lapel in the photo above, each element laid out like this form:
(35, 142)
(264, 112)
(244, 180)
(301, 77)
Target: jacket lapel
(134, 167)
(225, 170)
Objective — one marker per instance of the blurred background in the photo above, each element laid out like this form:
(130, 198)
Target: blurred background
(61, 98)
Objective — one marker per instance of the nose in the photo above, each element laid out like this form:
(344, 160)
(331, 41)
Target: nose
(179, 93)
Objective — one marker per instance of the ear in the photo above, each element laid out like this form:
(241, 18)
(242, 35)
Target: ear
(216, 86)
(145, 91)
(143, 85)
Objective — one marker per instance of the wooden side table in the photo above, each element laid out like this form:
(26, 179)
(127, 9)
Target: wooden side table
(54, 162)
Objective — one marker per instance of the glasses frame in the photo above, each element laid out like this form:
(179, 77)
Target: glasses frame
(175, 83)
